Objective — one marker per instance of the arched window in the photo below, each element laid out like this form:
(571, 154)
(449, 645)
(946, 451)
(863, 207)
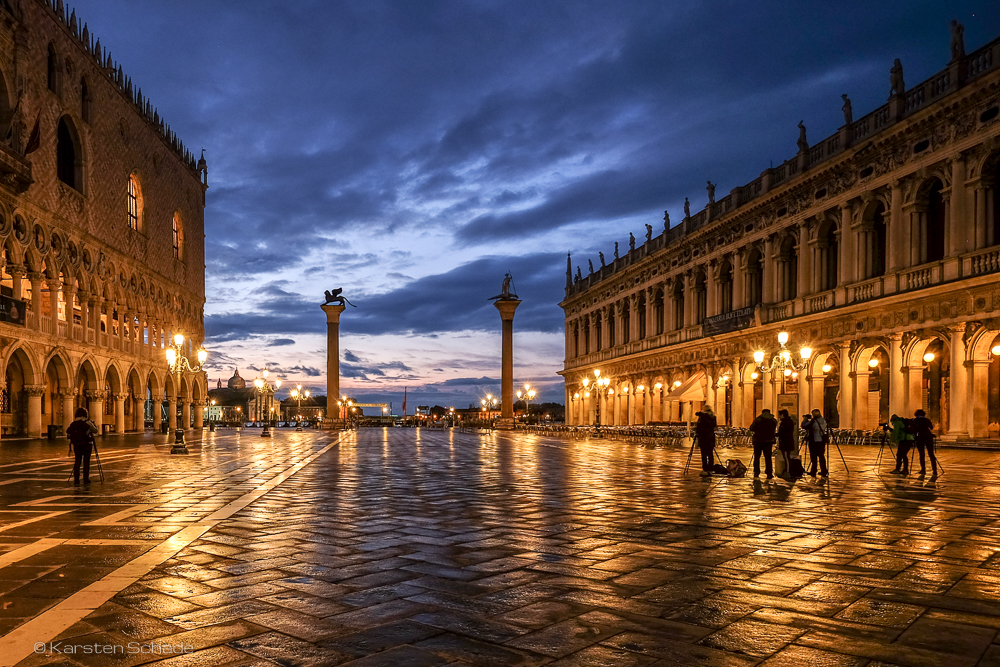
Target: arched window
(52, 70)
(725, 287)
(678, 299)
(132, 203)
(701, 296)
(612, 316)
(68, 156)
(658, 310)
(641, 314)
(626, 307)
(878, 242)
(935, 225)
(829, 248)
(178, 237)
(586, 335)
(598, 323)
(84, 100)
(755, 278)
(788, 270)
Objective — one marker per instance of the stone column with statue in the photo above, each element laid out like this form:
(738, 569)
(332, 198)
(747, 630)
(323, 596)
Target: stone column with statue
(506, 302)
(335, 304)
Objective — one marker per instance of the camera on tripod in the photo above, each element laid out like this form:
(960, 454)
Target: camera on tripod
(886, 427)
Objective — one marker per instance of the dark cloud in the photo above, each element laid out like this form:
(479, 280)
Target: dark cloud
(469, 381)
(279, 342)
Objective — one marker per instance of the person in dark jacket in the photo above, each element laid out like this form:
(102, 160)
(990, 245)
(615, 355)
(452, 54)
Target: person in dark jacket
(763, 429)
(923, 438)
(704, 430)
(787, 437)
(81, 435)
(903, 440)
(817, 435)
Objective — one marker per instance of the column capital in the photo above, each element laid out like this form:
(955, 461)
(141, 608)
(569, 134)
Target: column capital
(67, 393)
(17, 270)
(506, 308)
(333, 312)
(34, 389)
(35, 277)
(120, 396)
(96, 395)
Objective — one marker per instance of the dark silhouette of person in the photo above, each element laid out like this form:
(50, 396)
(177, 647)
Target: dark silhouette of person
(763, 430)
(787, 436)
(704, 430)
(924, 439)
(903, 440)
(81, 435)
(817, 435)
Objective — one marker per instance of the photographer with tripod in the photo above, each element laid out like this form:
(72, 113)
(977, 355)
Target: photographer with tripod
(903, 440)
(817, 436)
(704, 431)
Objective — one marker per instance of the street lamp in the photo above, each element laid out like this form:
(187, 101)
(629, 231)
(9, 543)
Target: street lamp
(264, 389)
(782, 361)
(177, 364)
(600, 386)
(298, 394)
(488, 404)
(211, 416)
(528, 394)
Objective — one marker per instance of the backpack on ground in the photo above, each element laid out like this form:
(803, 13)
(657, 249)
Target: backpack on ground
(735, 468)
(719, 469)
(795, 468)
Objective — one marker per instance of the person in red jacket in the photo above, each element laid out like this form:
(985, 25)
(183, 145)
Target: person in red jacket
(81, 435)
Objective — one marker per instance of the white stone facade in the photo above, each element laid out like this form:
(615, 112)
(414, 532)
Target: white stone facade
(102, 228)
(876, 247)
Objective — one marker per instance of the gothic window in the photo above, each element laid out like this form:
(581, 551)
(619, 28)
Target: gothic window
(178, 237)
(726, 288)
(755, 278)
(935, 222)
(52, 70)
(68, 156)
(878, 247)
(132, 207)
(84, 100)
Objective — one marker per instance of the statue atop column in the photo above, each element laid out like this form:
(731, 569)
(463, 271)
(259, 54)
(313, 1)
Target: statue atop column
(505, 291)
(957, 41)
(336, 297)
(590, 263)
(896, 79)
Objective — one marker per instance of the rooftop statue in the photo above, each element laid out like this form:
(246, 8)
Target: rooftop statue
(687, 208)
(896, 79)
(335, 297)
(802, 143)
(957, 41)
(711, 192)
(590, 263)
(666, 221)
(616, 249)
(601, 254)
(649, 233)
(631, 241)
(848, 111)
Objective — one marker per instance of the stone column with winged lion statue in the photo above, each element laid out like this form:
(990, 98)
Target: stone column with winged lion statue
(335, 304)
(506, 302)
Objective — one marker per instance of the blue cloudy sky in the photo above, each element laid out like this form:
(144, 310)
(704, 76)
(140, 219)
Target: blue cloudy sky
(412, 152)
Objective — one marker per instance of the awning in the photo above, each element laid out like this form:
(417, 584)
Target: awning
(692, 389)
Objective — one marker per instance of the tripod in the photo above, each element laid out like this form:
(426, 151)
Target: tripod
(829, 460)
(97, 455)
(878, 459)
(694, 440)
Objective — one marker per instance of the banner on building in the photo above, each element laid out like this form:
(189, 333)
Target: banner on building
(11, 310)
(726, 322)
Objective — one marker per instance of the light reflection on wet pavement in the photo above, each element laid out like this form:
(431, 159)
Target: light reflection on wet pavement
(413, 547)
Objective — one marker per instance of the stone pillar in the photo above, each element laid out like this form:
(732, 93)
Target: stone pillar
(768, 393)
(861, 416)
(55, 284)
(17, 273)
(199, 416)
(34, 392)
(957, 230)
(980, 384)
(120, 411)
(68, 408)
(690, 300)
(507, 308)
(95, 406)
(739, 278)
(656, 404)
(712, 288)
(805, 262)
(770, 269)
(333, 312)
(804, 391)
(817, 391)
(958, 387)
(186, 414)
(845, 406)
(896, 232)
(172, 410)
(36, 298)
(157, 412)
(897, 382)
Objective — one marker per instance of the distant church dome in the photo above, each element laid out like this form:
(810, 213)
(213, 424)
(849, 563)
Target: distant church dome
(236, 382)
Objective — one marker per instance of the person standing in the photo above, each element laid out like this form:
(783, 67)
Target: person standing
(704, 431)
(817, 435)
(787, 433)
(81, 435)
(763, 429)
(903, 440)
(923, 437)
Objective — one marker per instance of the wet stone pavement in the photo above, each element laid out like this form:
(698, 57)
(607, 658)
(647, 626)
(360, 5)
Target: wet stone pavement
(409, 547)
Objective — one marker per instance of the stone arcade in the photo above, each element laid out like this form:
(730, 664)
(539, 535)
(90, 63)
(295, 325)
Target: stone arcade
(878, 247)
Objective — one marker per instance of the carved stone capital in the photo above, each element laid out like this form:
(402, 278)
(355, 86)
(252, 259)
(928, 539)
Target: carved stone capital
(96, 395)
(67, 393)
(34, 389)
(120, 396)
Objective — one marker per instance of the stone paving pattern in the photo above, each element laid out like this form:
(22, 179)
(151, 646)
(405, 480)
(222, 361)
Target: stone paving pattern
(407, 547)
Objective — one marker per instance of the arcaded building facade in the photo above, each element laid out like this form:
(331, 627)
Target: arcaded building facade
(878, 248)
(102, 227)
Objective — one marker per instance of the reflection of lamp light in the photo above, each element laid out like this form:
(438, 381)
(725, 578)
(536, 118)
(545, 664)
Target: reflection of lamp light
(795, 376)
(872, 363)
(827, 368)
(929, 357)
(625, 390)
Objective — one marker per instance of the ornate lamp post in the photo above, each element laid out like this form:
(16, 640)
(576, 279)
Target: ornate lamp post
(264, 389)
(211, 417)
(600, 387)
(177, 364)
(782, 361)
(489, 403)
(298, 394)
(528, 394)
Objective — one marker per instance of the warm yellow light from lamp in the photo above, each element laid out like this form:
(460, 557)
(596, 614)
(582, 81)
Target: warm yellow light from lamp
(640, 388)
(171, 356)
(754, 376)
(178, 339)
(277, 384)
(929, 357)
(307, 393)
(610, 392)
(786, 355)
(576, 396)
(518, 393)
(265, 373)
(202, 355)
(294, 393)
(587, 394)
(872, 363)
(782, 337)
(213, 401)
(527, 386)
(827, 368)
(597, 372)
(531, 393)
(258, 383)
(677, 383)
(795, 376)
(806, 352)
(658, 385)
(758, 356)
(625, 389)
(788, 372)
(586, 382)
(995, 350)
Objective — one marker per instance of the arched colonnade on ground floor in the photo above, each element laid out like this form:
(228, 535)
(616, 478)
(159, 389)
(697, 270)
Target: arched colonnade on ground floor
(950, 372)
(40, 388)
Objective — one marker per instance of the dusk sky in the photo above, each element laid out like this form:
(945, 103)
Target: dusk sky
(413, 152)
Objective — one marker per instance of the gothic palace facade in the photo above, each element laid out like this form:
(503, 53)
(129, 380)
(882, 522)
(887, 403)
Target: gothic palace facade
(878, 248)
(102, 227)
